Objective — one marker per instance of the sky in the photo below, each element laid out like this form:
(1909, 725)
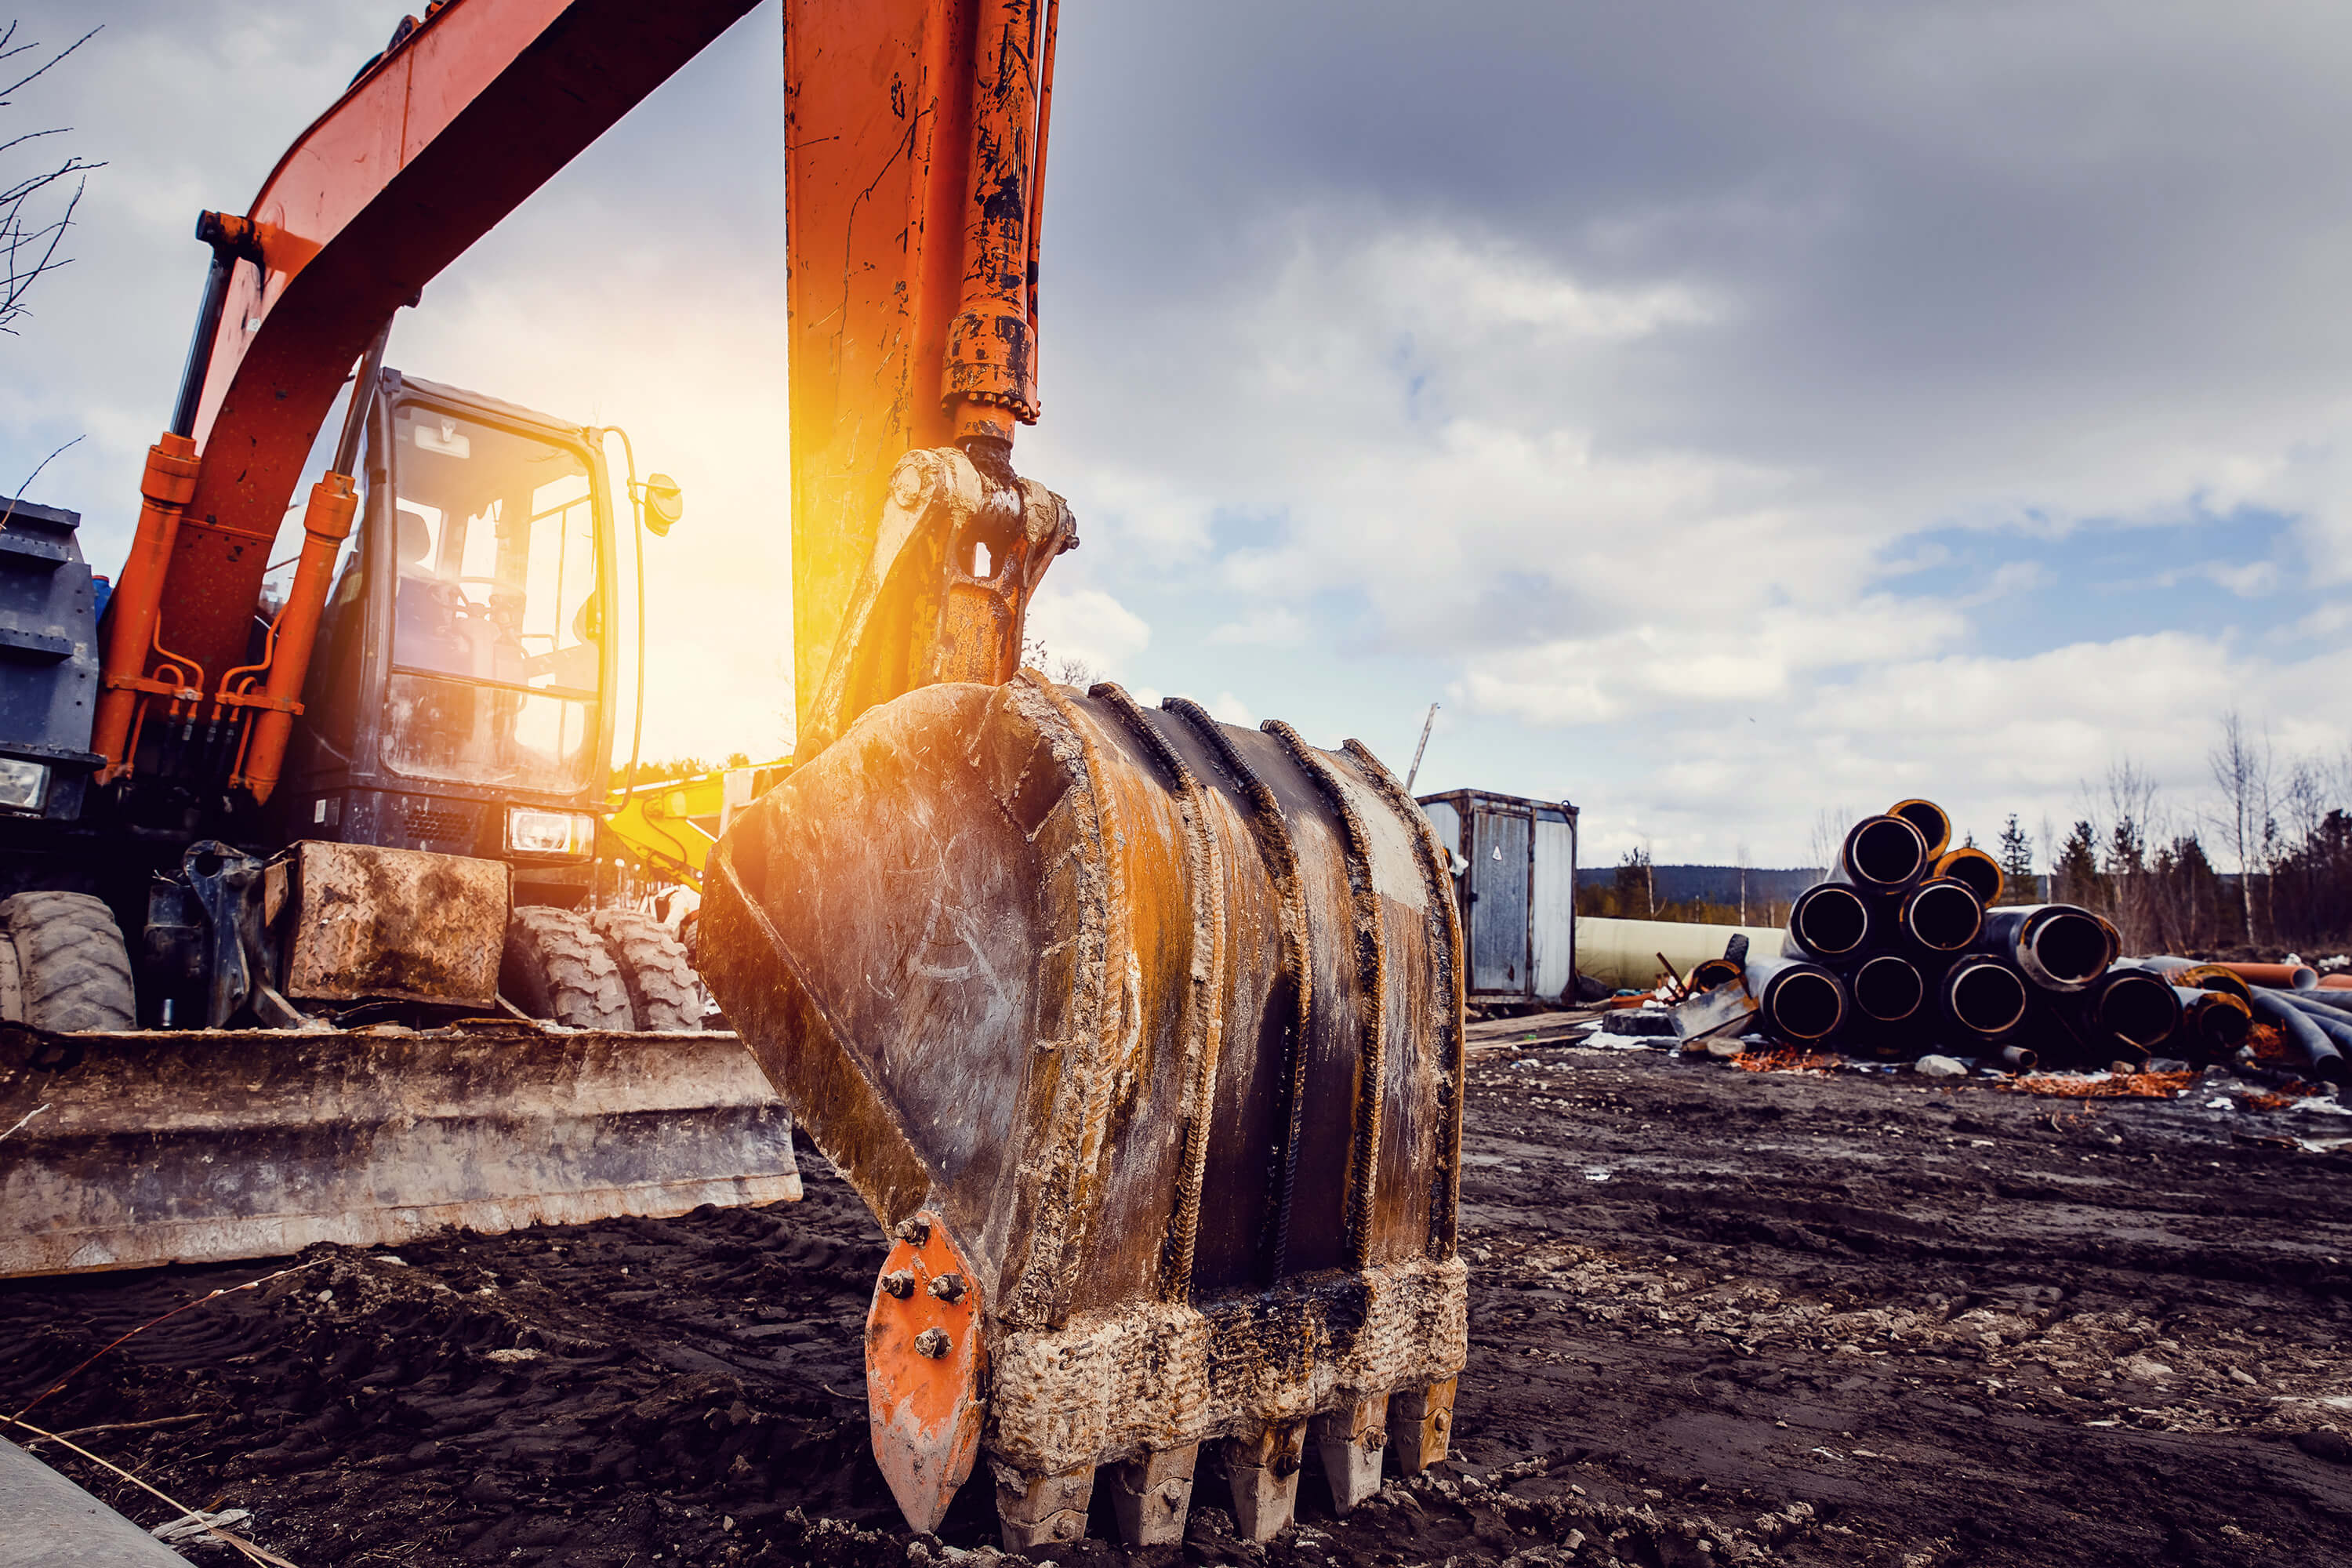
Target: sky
(1724, 414)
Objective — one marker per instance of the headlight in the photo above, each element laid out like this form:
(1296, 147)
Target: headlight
(533, 832)
(24, 786)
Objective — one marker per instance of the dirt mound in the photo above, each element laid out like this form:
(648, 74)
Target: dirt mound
(1717, 1317)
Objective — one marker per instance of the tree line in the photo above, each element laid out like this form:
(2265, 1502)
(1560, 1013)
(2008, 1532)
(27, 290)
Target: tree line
(2261, 865)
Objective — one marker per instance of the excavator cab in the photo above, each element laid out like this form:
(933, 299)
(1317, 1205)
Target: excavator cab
(1139, 1034)
(461, 701)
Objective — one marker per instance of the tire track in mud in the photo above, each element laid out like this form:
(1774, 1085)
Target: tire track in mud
(1717, 1317)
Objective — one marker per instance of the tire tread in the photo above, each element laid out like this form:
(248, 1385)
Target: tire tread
(75, 972)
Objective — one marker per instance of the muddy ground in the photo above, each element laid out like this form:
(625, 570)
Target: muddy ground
(1717, 1316)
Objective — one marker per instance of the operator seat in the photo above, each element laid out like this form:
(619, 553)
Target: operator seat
(425, 608)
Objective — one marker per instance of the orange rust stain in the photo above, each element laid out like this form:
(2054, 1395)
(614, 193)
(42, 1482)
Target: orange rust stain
(2122, 1086)
(1783, 1061)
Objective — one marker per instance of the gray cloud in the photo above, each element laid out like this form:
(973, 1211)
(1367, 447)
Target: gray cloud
(1591, 359)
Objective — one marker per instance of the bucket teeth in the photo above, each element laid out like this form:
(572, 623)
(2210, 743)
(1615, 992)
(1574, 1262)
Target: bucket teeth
(1263, 1472)
(924, 1359)
(1349, 1441)
(1422, 1421)
(1151, 1496)
(1043, 1511)
(1143, 1036)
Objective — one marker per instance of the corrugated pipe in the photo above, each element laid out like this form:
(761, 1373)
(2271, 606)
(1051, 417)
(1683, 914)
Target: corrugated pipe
(2327, 1061)
(2057, 946)
(1796, 1000)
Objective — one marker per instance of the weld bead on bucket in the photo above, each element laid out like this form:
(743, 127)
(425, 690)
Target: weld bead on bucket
(1161, 1021)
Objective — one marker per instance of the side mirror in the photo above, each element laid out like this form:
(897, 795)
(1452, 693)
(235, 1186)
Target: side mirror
(664, 503)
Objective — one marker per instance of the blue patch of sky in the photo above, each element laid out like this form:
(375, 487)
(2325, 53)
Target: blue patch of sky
(2026, 591)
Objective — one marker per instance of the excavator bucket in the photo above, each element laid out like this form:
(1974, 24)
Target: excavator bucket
(125, 1151)
(1142, 1037)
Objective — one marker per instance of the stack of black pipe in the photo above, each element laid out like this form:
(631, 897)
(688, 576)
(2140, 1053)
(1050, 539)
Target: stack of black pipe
(1903, 951)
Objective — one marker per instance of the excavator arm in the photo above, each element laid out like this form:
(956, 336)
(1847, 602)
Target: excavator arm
(1141, 1032)
(915, 139)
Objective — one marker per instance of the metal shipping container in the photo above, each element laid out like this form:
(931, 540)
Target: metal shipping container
(1514, 879)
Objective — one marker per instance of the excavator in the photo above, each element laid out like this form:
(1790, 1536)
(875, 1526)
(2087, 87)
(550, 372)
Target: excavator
(1139, 1033)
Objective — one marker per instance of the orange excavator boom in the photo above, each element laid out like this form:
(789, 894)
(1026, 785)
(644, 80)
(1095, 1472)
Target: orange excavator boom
(913, 253)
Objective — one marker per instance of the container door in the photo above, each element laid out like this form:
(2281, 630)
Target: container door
(1498, 912)
(1554, 906)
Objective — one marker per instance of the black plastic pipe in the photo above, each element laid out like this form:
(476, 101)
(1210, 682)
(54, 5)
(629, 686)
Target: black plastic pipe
(2327, 1060)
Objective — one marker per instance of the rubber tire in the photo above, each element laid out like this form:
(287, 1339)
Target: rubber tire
(554, 968)
(73, 972)
(664, 993)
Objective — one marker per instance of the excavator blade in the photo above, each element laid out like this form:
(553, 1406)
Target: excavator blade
(1147, 1030)
(132, 1150)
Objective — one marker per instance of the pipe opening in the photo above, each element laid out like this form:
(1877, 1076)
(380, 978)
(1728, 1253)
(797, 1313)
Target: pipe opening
(2139, 1008)
(1715, 971)
(1974, 870)
(1830, 920)
(1945, 916)
(1807, 1004)
(2072, 947)
(1889, 988)
(1885, 851)
(2221, 1027)
(1987, 998)
(1934, 825)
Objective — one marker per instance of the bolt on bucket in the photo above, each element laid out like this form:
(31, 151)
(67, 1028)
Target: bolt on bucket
(1142, 1035)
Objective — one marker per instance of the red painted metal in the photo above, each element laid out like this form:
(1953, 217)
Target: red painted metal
(425, 152)
(325, 525)
(913, 133)
(165, 488)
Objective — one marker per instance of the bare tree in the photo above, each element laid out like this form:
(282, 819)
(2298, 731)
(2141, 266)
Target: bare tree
(2135, 820)
(37, 205)
(2240, 763)
(1061, 669)
(1831, 824)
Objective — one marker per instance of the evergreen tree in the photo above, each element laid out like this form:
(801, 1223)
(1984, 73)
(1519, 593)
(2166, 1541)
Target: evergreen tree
(2075, 878)
(2017, 861)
